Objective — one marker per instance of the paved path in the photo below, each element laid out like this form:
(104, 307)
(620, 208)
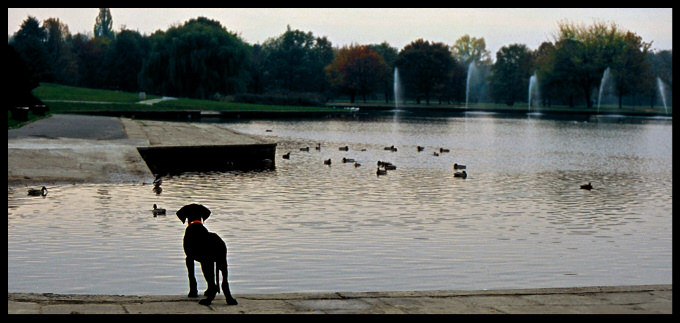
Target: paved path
(69, 149)
(651, 299)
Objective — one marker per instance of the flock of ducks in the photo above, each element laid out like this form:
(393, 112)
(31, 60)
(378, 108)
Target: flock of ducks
(383, 166)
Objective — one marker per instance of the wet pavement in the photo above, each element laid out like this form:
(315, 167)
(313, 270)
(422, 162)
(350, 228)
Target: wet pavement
(648, 299)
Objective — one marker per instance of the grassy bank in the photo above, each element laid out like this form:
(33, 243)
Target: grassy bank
(66, 99)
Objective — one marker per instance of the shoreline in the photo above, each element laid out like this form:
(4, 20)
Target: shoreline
(635, 299)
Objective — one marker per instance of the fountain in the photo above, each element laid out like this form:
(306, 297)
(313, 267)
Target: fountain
(533, 90)
(605, 78)
(398, 95)
(472, 68)
(663, 92)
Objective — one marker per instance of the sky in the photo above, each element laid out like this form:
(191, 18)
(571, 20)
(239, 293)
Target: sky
(397, 26)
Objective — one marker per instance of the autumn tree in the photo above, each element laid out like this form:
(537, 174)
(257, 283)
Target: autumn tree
(357, 70)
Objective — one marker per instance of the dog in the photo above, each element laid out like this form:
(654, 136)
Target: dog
(208, 249)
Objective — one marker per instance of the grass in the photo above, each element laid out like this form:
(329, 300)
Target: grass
(65, 99)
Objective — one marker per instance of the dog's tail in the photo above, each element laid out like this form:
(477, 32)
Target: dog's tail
(217, 277)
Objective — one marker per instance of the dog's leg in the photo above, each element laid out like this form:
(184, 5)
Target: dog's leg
(207, 267)
(193, 287)
(225, 282)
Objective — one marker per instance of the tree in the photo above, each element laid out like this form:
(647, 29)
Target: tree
(511, 73)
(199, 59)
(389, 54)
(357, 70)
(630, 65)
(425, 68)
(469, 50)
(123, 60)
(295, 61)
(63, 62)
(103, 26)
(584, 53)
(29, 41)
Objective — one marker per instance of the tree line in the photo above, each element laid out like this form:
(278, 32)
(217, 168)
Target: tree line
(202, 59)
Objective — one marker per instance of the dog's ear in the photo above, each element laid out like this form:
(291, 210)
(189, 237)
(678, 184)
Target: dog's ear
(193, 209)
(182, 215)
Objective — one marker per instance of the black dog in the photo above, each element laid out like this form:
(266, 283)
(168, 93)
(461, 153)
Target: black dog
(208, 249)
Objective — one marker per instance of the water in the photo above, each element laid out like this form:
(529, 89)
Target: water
(471, 69)
(603, 82)
(533, 90)
(518, 221)
(663, 92)
(398, 92)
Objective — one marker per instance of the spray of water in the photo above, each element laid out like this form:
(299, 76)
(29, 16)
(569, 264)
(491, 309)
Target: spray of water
(398, 95)
(605, 78)
(662, 90)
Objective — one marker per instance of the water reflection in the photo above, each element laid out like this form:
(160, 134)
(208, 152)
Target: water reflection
(519, 220)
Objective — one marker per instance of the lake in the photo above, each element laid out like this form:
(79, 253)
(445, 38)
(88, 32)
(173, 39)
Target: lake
(519, 220)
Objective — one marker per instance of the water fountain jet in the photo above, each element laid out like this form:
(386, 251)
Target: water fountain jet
(398, 95)
(662, 90)
(533, 90)
(471, 69)
(605, 78)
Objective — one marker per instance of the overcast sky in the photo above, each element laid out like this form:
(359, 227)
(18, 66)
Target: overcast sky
(396, 26)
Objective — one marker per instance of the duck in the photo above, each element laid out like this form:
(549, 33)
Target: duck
(435, 154)
(389, 166)
(345, 148)
(304, 149)
(286, 156)
(457, 166)
(327, 162)
(420, 148)
(587, 186)
(157, 211)
(356, 164)
(381, 172)
(38, 192)
(157, 189)
(462, 174)
(158, 181)
(443, 150)
(318, 146)
(347, 160)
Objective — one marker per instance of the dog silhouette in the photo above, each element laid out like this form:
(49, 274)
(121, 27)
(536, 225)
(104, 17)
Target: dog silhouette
(208, 249)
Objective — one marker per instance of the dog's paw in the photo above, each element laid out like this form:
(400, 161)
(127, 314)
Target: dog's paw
(231, 301)
(205, 301)
(193, 293)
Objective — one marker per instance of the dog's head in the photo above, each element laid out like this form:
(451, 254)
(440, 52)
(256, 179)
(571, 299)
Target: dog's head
(193, 212)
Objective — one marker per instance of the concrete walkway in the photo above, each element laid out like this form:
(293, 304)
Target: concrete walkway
(649, 299)
(72, 149)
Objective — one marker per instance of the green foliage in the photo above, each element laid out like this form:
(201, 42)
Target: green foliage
(197, 59)
(511, 73)
(295, 62)
(202, 59)
(425, 68)
(103, 26)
